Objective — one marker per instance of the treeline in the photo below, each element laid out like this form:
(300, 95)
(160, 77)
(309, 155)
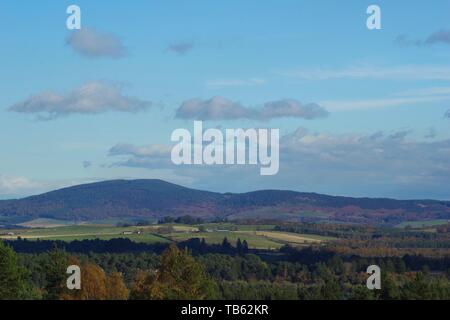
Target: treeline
(124, 245)
(328, 230)
(369, 241)
(198, 247)
(186, 219)
(176, 275)
(364, 232)
(195, 270)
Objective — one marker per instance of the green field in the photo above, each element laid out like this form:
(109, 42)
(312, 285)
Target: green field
(217, 238)
(78, 231)
(257, 236)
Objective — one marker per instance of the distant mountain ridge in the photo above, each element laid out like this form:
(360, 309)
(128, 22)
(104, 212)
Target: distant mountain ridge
(157, 198)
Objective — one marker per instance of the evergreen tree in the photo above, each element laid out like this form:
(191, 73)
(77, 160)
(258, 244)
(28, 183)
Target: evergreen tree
(239, 247)
(13, 277)
(389, 289)
(226, 245)
(244, 246)
(418, 289)
(54, 269)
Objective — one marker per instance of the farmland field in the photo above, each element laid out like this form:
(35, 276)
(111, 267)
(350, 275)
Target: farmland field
(292, 238)
(257, 236)
(256, 242)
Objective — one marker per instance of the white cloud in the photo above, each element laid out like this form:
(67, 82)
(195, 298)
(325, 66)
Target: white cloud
(227, 83)
(91, 43)
(291, 108)
(90, 98)
(438, 37)
(341, 105)
(407, 72)
(152, 156)
(441, 36)
(18, 186)
(15, 185)
(155, 150)
(379, 157)
(219, 108)
(431, 91)
(181, 48)
(87, 164)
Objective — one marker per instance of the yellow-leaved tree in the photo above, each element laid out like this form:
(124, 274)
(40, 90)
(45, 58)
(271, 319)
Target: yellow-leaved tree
(115, 287)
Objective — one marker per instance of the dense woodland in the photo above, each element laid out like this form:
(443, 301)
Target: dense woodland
(414, 264)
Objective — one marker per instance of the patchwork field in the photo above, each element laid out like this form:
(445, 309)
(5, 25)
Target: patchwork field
(257, 236)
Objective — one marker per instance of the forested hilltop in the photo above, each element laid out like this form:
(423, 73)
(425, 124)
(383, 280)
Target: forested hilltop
(157, 198)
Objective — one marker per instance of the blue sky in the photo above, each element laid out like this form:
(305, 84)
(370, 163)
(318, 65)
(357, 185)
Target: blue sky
(386, 92)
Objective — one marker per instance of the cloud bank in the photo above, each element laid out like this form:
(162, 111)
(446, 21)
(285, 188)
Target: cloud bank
(377, 164)
(18, 186)
(219, 108)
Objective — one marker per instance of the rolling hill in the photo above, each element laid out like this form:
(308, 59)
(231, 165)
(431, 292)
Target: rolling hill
(157, 198)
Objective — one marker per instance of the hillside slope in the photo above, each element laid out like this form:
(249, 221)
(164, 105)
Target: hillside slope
(157, 198)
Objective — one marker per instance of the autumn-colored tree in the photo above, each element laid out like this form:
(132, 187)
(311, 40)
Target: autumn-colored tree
(93, 284)
(146, 286)
(115, 287)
